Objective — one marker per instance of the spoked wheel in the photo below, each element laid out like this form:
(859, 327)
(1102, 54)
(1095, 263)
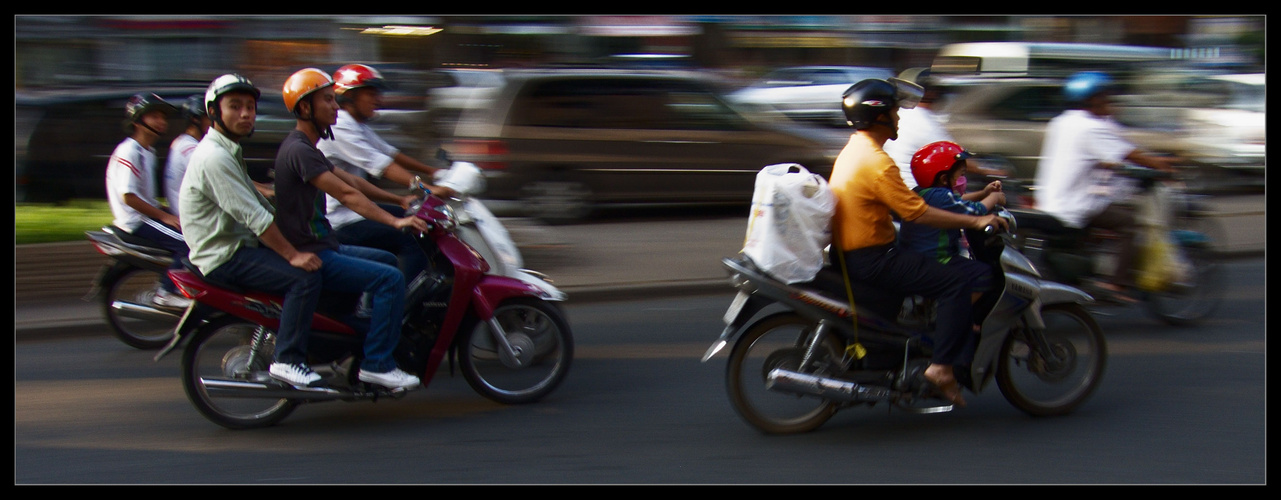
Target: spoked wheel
(1058, 381)
(1193, 298)
(777, 342)
(224, 351)
(541, 350)
(130, 313)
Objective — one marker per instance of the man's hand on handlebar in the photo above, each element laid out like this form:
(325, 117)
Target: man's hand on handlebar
(412, 222)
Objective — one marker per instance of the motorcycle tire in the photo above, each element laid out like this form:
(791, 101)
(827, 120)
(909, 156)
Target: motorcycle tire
(773, 342)
(131, 315)
(221, 349)
(1058, 383)
(544, 347)
(1194, 298)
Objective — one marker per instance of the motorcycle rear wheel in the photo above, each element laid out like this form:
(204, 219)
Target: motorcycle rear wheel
(220, 349)
(775, 342)
(150, 328)
(1194, 298)
(1056, 384)
(538, 332)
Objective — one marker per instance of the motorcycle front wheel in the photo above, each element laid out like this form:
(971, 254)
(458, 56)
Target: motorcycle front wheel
(1193, 298)
(223, 350)
(131, 315)
(1055, 376)
(776, 342)
(541, 346)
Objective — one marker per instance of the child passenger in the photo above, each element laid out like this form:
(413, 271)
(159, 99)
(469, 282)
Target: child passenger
(939, 169)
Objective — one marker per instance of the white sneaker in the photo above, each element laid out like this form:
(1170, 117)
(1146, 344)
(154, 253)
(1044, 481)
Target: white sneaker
(168, 299)
(296, 374)
(394, 379)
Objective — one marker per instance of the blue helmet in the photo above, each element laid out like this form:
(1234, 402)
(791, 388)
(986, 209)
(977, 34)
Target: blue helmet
(1086, 84)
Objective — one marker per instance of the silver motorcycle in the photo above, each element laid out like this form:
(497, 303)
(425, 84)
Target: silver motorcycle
(801, 352)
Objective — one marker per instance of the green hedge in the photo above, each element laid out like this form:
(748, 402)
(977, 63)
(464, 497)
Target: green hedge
(48, 223)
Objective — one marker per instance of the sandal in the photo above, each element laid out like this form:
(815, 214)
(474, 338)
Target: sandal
(946, 387)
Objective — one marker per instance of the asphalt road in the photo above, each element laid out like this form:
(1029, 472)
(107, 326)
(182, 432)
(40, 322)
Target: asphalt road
(1178, 406)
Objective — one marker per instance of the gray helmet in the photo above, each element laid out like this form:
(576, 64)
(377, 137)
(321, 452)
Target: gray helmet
(194, 107)
(864, 101)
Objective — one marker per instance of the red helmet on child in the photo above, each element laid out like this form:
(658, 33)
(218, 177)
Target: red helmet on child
(936, 158)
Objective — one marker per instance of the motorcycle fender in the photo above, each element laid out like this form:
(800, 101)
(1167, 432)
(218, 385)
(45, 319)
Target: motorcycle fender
(743, 308)
(492, 290)
(1058, 293)
(195, 315)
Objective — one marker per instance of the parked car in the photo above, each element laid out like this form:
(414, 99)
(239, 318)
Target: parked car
(1006, 118)
(562, 142)
(807, 93)
(62, 139)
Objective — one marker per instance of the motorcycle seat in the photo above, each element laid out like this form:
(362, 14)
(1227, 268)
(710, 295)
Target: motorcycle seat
(136, 243)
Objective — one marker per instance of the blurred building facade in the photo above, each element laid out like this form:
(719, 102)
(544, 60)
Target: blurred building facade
(84, 50)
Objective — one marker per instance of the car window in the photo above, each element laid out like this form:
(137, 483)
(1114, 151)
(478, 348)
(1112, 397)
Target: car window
(1032, 104)
(830, 77)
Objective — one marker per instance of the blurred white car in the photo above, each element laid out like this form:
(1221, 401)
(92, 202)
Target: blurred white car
(1234, 125)
(806, 93)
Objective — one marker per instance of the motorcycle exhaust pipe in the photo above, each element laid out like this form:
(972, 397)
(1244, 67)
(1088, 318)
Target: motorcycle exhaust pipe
(139, 311)
(782, 380)
(224, 388)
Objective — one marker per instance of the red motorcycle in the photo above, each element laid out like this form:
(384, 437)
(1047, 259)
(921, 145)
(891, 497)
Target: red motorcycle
(502, 327)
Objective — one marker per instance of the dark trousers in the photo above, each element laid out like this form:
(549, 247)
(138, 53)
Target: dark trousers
(169, 238)
(367, 233)
(950, 285)
(1121, 220)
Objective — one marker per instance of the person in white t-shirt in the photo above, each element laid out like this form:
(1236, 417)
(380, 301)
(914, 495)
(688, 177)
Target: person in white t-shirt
(1075, 179)
(357, 149)
(131, 188)
(922, 126)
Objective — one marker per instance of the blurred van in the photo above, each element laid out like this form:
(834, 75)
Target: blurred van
(1046, 59)
(561, 142)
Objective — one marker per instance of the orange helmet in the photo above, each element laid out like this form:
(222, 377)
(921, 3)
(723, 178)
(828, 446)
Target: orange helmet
(936, 158)
(302, 84)
(354, 76)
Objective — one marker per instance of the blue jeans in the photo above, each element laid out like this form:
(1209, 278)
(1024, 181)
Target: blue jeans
(909, 273)
(262, 269)
(355, 269)
(367, 233)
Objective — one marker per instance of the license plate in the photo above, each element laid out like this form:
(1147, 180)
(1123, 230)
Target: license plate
(735, 307)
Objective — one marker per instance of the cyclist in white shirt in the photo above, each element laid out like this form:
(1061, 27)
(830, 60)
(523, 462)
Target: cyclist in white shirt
(131, 188)
(1074, 179)
(357, 149)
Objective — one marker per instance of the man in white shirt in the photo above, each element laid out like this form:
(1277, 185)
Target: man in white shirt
(1075, 179)
(917, 126)
(358, 150)
(131, 188)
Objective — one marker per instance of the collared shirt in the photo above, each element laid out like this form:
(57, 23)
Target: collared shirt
(1068, 184)
(130, 170)
(868, 188)
(219, 207)
(917, 127)
(358, 150)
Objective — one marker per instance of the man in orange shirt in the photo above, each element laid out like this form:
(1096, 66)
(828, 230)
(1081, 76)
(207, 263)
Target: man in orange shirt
(869, 189)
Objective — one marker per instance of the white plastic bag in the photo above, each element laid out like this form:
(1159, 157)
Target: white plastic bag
(790, 222)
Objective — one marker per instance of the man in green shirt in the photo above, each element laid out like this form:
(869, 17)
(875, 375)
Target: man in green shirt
(225, 219)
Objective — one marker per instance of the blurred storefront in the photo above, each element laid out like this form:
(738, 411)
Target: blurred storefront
(77, 50)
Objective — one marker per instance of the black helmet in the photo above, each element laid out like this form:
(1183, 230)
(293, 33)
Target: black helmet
(141, 104)
(194, 107)
(864, 101)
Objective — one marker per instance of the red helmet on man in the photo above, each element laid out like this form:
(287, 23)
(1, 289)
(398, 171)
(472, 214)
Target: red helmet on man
(354, 76)
(936, 158)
